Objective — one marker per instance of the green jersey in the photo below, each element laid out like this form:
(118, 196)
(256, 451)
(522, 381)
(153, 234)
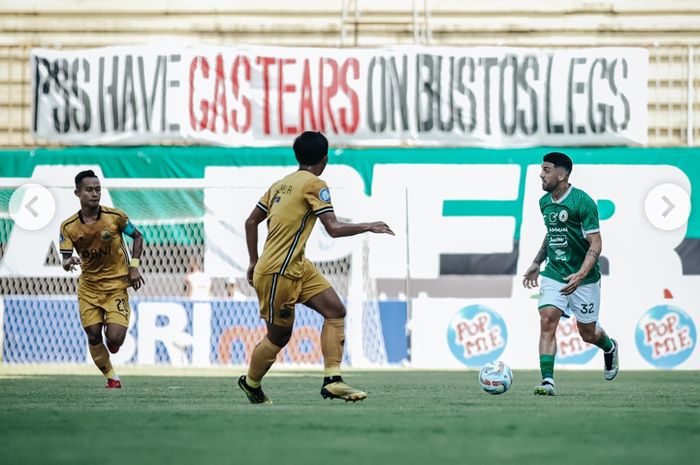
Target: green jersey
(568, 221)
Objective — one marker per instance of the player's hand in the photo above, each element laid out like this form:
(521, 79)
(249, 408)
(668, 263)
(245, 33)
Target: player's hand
(71, 263)
(531, 275)
(249, 273)
(380, 227)
(574, 281)
(135, 278)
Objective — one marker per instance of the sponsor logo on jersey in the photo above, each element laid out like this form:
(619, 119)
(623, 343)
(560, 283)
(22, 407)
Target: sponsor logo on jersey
(95, 253)
(558, 241)
(552, 217)
(563, 216)
(477, 335)
(106, 235)
(324, 194)
(665, 336)
(571, 349)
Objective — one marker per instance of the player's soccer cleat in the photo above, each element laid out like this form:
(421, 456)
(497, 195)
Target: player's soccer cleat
(113, 384)
(612, 362)
(255, 395)
(337, 389)
(545, 389)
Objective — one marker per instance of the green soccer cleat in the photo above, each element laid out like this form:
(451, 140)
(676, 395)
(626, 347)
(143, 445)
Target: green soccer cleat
(337, 389)
(612, 362)
(546, 388)
(255, 395)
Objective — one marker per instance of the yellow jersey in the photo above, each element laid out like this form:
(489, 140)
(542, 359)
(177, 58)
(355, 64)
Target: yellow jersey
(103, 254)
(292, 205)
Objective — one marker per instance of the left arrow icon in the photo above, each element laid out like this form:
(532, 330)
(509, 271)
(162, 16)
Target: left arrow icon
(29, 206)
(32, 206)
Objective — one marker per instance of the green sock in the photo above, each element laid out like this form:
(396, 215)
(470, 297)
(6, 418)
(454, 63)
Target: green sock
(547, 366)
(605, 343)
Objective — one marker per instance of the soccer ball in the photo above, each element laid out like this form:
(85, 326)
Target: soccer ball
(495, 377)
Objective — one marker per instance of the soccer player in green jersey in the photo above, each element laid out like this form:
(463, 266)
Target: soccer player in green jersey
(571, 278)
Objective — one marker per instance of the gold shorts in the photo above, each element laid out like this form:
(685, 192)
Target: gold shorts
(96, 307)
(278, 294)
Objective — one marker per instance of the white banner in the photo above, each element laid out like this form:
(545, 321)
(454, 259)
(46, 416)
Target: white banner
(264, 96)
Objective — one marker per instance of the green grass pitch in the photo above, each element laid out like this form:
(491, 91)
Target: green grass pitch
(410, 417)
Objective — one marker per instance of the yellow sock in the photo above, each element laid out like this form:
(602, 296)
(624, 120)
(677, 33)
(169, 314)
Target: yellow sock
(263, 357)
(100, 356)
(332, 342)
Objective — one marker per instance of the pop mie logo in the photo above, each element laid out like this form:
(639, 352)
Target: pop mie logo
(665, 336)
(477, 335)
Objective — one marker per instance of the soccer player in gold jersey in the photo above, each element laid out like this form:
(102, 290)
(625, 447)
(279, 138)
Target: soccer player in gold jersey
(282, 276)
(95, 232)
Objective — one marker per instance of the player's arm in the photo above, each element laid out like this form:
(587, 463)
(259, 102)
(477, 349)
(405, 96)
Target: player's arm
(594, 248)
(256, 217)
(65, 243)
(70, 261)
(532, 273)
(136, 250)
(337, 228)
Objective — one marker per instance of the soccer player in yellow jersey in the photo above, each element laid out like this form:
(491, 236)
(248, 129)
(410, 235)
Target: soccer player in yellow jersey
(283, 276)
(95, 232)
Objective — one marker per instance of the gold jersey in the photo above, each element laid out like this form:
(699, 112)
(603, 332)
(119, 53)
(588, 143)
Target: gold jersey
(103, 254)
(292, 205)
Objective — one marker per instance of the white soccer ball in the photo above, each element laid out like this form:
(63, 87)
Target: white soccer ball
(495, 377)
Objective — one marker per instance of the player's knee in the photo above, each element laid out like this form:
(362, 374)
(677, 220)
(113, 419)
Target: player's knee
(116, 339)
(280, 340)
(337, 311)
(340, 313)
(279, 335)
(588, 336)
(548, 324)
(94, 339)
(115, 334)
(94, 334)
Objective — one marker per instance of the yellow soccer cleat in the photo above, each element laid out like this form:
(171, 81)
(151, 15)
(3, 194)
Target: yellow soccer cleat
(337, 389)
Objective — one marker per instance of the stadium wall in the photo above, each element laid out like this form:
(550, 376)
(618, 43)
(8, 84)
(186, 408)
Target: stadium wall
(467, 219)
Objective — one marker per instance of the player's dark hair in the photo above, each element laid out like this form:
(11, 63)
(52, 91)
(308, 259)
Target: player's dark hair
(82, 175)
(310, 147)
(559, 159)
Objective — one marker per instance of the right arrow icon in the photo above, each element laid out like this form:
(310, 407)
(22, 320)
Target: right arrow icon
(667, 206)
(670, 207)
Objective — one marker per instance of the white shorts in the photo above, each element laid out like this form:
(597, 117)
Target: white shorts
(583, 303)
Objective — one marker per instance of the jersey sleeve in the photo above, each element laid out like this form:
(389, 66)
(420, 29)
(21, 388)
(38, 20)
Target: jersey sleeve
(264, 202)
(589, 216)
(319, 197)
(65, 243)
(123, 223)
